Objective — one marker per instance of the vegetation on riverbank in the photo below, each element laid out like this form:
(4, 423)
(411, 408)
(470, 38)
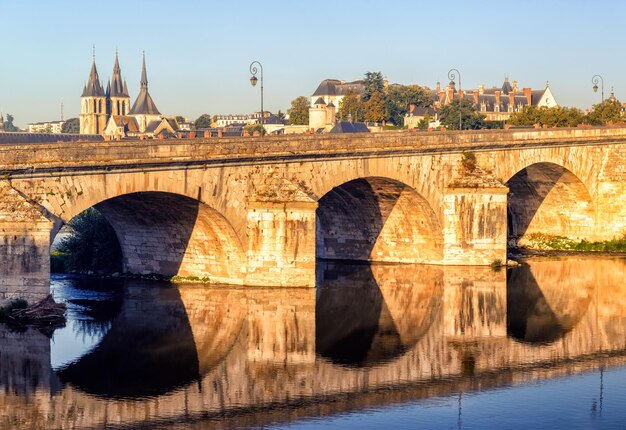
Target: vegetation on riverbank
(559, 243)
(91, 246)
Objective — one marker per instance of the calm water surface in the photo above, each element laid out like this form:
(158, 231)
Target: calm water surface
(386, 346)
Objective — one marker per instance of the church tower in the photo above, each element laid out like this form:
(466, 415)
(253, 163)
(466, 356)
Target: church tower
(93, 108)
(117, 92)
(144, 109)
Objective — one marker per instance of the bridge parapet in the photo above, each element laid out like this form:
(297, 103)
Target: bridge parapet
(32, 158)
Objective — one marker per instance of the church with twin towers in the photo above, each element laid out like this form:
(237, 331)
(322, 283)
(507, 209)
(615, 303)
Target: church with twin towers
(108, 112)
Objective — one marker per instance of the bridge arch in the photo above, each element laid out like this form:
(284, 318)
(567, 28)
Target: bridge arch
(377, 219)
(547, 198)
(171, 234)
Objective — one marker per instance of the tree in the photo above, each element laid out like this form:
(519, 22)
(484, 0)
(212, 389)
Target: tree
(470, 118)
(373, 83)
(71, 125)
(424, 122)
(352, 107)
(180, 119)
(375, 108)
(252, 128)
(299, 111)
(92, 244)
(609, 111)
(401, 97)
(8, 123)
(203, 121)
(545, 116)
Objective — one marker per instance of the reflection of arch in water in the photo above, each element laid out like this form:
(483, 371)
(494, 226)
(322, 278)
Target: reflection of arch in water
(368, 315)
(216, 317)
(549, 199)
(148, 351)
(170, 234)
(377, 219)
(546, 298)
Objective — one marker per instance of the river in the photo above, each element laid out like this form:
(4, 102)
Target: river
(542, 345)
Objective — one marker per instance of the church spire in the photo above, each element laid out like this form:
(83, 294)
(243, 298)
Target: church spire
(144, 105)
(117, 83)
(144, 78)
(93, 88)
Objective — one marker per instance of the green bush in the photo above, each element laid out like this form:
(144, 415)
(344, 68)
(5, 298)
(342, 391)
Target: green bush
(92, 245)
(468, 161)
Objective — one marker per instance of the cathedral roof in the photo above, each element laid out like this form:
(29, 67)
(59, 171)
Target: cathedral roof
(118, 86)
(93, 87)
(144, 105)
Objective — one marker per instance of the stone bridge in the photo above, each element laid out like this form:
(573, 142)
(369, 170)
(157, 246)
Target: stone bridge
(258, 211)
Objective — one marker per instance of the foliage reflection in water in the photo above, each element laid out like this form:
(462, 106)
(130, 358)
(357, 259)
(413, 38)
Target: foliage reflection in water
(377, 345)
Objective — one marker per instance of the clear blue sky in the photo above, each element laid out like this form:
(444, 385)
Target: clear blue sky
(198, 52)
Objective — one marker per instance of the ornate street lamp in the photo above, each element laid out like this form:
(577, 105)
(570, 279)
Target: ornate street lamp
(254, 80)
(452, 73)
(595, 81)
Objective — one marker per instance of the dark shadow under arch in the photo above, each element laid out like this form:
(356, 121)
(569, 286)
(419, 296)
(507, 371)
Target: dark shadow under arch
(169, 234)
(377, 219)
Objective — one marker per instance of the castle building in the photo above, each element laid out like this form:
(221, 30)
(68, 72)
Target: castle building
(497, 104)
(109, 112)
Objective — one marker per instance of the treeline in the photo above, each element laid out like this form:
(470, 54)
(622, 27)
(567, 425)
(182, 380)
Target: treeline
(608, 112)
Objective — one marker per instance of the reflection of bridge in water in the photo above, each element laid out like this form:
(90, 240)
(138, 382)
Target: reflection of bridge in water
(261, 355)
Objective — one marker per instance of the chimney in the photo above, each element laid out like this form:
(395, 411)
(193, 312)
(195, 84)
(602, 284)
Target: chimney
(220, 132)
(527, 93)
(192, 134)
(207, 133)
(475, 92)
(512, 99)
(498, 92)
(441, 94)
(411, 108)
(461, 94)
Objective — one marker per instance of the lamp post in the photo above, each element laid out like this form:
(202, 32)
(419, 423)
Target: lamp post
(594, 80)
(452, 73)
(253, 81)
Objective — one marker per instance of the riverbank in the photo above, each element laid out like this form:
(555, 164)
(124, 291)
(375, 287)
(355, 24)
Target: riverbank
(545, 242)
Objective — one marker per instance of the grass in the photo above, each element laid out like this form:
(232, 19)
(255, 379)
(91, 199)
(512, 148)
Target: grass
(190, 279)
(560, 243)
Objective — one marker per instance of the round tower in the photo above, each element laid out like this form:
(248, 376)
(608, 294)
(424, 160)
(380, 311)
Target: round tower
(317, 114)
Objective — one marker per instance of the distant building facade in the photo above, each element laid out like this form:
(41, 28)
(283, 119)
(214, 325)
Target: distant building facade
(245, 119)
(332, 91)
(497, 104)
(418, 114)
(54, 127)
